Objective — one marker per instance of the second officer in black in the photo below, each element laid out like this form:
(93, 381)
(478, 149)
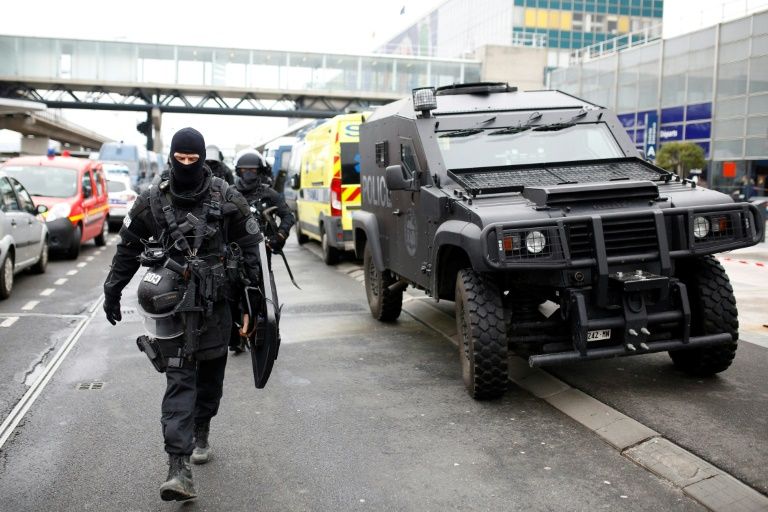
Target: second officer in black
(254, 182)
(182, 228)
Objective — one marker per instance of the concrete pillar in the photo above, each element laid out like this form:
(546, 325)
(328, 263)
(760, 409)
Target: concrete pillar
(157, 124)
(34, 145)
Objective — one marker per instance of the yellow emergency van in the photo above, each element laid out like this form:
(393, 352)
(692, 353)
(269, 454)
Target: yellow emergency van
(329, 185)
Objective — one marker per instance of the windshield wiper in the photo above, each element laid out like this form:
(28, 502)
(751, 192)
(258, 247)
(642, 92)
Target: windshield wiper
(553, 127)
(519, 128)
(464, 132)
(510, 129)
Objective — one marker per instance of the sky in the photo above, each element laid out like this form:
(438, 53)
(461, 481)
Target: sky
(330, 26)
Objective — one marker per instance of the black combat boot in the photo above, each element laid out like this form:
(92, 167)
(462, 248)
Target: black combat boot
(179, 486)
(202, 450)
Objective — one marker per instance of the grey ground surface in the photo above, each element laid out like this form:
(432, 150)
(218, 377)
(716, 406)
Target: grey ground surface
(357, 415)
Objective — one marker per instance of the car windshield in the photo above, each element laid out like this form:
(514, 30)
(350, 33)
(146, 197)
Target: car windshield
(46, 181)
(116, 186)
(500, 147)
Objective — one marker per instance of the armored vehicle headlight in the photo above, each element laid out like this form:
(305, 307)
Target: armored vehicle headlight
(700, 227)
(424, 99)
(535, 242)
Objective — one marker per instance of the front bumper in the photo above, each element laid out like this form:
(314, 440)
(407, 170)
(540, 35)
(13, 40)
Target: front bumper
(635, 307)
(61, 234)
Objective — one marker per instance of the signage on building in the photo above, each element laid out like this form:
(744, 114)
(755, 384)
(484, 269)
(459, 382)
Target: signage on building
(651, 130)
(667, 133)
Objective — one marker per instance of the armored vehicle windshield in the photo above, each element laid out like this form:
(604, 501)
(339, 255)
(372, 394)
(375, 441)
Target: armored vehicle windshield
(520, 145)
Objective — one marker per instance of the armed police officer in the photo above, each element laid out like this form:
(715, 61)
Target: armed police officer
(184, 228)
(214, 159)
(254, 182)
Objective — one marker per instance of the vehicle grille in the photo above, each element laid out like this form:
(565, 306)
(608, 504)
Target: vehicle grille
(629, 236)
(623, 237)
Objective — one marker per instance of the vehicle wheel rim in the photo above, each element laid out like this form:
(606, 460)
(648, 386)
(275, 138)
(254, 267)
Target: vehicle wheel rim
(8, 270)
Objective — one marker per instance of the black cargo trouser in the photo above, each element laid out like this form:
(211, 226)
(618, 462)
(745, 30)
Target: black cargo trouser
(192, 397)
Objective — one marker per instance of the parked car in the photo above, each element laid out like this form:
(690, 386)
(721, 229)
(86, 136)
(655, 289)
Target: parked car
(75, 192)
(23, 234)
(115, 169)
(121, 199)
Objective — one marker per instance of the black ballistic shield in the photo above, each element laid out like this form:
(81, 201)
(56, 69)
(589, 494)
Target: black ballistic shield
(265, 342)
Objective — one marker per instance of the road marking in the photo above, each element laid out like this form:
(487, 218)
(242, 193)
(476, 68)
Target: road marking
(89, 258)
(47, 292)
(61, 281)
(30, 305)
(9, 321)
(23, 406)
(81, 265)
(72, 272)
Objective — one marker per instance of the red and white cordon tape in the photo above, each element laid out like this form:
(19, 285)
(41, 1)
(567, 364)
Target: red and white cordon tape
(746, 262)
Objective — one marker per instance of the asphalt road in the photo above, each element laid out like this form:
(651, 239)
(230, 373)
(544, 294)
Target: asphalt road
(357, 415)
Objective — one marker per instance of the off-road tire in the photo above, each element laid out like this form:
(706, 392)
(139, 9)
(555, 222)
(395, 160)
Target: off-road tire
(385, 305)
(330, 253)
(482, 335)
(74, 250)
(713, 311)
(42, 263)
(101, 240)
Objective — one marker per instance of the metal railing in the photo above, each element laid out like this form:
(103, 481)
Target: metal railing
(609, 46)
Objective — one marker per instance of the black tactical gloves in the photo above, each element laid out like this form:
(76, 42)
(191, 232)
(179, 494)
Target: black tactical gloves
(112, 309)
(276, 242)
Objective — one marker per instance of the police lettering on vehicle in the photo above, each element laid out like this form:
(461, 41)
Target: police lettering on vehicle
(375, 191)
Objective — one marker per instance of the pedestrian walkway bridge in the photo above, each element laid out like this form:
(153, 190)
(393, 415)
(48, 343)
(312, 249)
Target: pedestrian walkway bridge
(106, 75)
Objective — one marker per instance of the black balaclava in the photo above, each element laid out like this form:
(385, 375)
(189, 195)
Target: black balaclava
(187, 178)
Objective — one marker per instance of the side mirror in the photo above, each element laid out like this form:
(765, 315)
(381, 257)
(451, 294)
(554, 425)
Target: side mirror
(395, 180)
(295, 182)
(40, 209)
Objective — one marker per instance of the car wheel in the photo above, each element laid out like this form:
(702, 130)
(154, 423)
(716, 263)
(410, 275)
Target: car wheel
(6, 277)
(482, 335)
(713, 311)
(42, 262)
(101, 240)
(300, 236)
(385, 305)
(74, 249)
(330, 254)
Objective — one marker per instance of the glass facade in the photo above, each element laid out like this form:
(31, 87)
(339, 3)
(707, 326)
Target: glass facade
(459, 27)
(709, 87)
(137, 64)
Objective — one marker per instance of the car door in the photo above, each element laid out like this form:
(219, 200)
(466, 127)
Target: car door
(14, 220)
(90, 203)
(409, 245)
(31, 227)
(102, 198)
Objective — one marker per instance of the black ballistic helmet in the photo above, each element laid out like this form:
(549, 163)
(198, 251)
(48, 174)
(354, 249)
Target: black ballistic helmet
(252, 160)
(158, 295)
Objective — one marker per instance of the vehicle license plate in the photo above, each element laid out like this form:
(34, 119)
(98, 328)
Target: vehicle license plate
(601, 334)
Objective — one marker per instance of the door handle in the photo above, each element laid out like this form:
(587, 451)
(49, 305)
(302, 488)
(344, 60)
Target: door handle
(396, 212)
(13, 222)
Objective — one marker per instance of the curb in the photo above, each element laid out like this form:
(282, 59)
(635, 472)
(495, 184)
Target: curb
(696, 478)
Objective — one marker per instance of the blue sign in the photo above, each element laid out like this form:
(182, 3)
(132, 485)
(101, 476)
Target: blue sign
(670, 132)
(672, 115)
(651, 129)
(627, 120)
(699, 111)
(698, 131)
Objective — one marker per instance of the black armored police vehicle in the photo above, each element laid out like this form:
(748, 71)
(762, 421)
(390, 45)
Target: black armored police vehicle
(535, 213)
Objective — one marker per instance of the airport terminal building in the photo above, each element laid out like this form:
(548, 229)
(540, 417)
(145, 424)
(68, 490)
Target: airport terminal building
(519, 40)
(709, 87)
